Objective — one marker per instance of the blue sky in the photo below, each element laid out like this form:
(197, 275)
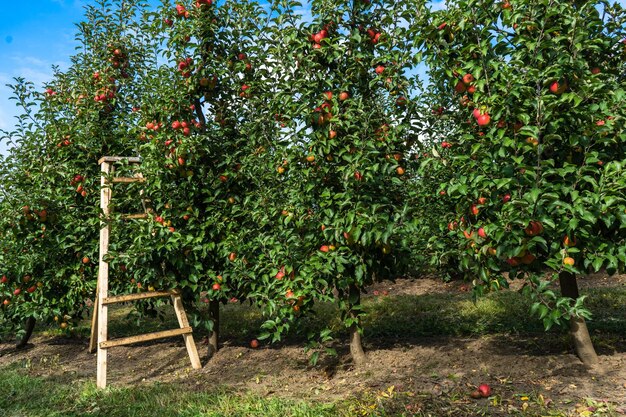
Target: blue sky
(33, 37)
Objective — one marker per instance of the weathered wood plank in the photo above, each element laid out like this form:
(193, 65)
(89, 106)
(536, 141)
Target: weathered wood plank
(137, 216)
(144, 337)
(113, 159)
(192, 351)
(127, 180)
(138, 296)
(103, 276)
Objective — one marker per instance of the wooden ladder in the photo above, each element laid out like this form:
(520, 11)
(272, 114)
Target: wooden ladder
(99, 322)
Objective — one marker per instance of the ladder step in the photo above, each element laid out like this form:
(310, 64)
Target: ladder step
(137, 296)
(127, 180)
(145, 337)
(134, 216)
(129, 159)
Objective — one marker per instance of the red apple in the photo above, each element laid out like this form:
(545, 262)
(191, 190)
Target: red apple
(468, 78)
(534, 228)
(569, 241)
(232, 256)
(460, 87)
(558, 88)
(343, 96)
(324, 248)
(254, 343)
(528, 258)
(216, 287)
(485, 390)
(4, 279)
(379, 69)
(482, 233)
(483, 119)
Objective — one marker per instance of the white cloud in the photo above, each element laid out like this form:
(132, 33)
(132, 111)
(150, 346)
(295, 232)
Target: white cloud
(438, 5)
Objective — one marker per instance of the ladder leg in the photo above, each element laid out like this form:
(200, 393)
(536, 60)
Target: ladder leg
(93, 338)
(103, 278)
(183, 322)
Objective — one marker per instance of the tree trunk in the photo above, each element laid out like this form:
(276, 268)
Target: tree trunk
(577, 326)
(356, 347)
(30, 326)
(214, 336)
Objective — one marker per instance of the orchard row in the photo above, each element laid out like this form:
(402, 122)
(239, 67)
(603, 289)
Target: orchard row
(294, 160)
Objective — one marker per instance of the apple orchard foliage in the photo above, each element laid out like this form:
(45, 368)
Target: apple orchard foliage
(251, 194)
(530, 97)
(282, 155)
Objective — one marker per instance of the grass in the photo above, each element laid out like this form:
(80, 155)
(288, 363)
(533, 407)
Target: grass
(22, 395)
(25, 395)
(406, 316)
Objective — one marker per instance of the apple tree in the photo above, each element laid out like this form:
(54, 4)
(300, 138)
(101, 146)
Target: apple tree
(534, 163)
(50, 178)
(201, 138)
(340, 92)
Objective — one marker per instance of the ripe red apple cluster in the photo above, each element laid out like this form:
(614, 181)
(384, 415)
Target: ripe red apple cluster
(481, 116)
(318, 37)
(78, 179)
(181, 11)
(373, 35)
(18, 290)
(105, 94)
(160, 220)
(183, 126)
(119, 58)
(66, 141)
(183, 67)
(244, 90)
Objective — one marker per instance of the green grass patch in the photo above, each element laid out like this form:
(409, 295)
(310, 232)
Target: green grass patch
(25, 395)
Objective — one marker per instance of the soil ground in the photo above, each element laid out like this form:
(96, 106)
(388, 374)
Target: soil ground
(520, 368)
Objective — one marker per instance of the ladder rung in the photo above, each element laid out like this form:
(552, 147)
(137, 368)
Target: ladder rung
(129, 159)
(127, 180)
(134, 216)
(137, 296)
(145, 337)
